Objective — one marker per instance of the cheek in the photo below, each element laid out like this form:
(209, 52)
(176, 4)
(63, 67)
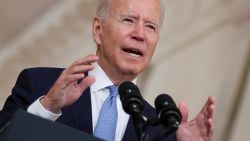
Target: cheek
(114, 37)
(121, 35)
(152, 45)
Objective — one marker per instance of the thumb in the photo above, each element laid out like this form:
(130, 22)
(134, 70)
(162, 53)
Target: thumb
(184, 111)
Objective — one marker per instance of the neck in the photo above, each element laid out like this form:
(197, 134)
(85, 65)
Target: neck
(115, 76)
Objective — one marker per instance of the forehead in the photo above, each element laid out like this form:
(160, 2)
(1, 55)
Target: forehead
(149, 9)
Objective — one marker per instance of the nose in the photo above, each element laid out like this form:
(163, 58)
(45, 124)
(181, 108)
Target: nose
(138, 32)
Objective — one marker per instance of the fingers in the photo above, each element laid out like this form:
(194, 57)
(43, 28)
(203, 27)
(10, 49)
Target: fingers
(211, 108)
(201, 127)
(184, 111)
(82, 65)
(72, 75)
(76, 71)
(86, 82)
(210, 129)
(66, 91)
(86, 60)
(72, 79)
(207, 112)
(208, 108)
(81, 68)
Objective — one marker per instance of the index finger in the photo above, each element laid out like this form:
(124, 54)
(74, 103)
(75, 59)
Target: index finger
(86, 60)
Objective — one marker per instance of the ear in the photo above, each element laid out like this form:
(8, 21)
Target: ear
(96, 30)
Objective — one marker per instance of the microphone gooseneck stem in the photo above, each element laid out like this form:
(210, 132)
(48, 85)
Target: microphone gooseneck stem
(166, 132)
(139, 125)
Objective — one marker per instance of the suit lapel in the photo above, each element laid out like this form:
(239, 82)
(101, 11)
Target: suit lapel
(81, 112)
(130, 131)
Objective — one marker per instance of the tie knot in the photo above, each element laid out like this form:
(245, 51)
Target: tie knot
(113, 90)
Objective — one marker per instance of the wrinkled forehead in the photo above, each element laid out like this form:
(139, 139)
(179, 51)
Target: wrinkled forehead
(145, 8)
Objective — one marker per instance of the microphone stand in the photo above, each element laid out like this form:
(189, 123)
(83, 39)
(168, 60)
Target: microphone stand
(140, 126)
(168, 129)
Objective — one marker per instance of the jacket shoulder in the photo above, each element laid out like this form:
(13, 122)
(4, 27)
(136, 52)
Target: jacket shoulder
(36, 80)
(40, 73)
(42, 70)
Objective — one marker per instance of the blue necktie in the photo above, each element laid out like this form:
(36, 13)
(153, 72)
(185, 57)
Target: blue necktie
(106, 124)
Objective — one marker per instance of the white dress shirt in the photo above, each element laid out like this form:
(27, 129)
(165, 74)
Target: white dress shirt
(99, 93)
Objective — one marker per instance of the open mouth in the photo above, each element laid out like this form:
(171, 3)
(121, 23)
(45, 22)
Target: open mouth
(133, 52)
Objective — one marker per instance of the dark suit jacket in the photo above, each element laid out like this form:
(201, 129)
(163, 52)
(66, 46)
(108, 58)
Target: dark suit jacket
(35, 82)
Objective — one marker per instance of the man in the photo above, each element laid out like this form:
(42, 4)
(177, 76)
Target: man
(126, 33)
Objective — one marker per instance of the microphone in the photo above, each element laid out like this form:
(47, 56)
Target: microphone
(168, 113)
(131, 98)
(132, 103)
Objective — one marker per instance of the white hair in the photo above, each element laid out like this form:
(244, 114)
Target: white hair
(103, 9)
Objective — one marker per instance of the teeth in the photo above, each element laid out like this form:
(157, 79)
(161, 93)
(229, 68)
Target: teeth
(134, 55)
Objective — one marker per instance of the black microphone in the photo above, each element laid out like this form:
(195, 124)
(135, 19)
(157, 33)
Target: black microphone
(131, 98)
(168, 112)
(132, 103)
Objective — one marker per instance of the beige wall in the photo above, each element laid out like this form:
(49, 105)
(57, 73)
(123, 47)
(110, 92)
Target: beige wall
(204, 50)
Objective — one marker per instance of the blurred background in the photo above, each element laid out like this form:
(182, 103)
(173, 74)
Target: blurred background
(204, 50)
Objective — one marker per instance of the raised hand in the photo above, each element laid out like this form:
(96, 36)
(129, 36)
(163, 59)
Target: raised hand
(66, 90)
(201, 127)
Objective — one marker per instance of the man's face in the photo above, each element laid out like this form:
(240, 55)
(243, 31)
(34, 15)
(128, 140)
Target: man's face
(128, 36)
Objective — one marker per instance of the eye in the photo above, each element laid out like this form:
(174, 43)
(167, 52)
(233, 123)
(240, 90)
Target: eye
(128, 20)
(151, 27)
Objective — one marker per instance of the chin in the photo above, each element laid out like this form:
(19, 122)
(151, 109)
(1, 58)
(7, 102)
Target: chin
(131, 70)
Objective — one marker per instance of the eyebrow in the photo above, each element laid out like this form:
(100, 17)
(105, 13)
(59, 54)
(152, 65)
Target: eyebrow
(129, 16)
(133, 16)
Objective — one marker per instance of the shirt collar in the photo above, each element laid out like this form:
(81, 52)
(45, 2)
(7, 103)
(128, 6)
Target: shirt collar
(102, 80)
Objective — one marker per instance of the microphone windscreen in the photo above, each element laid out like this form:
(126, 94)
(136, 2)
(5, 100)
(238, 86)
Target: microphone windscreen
(130, 97)
(163, 101)
(128, 89)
